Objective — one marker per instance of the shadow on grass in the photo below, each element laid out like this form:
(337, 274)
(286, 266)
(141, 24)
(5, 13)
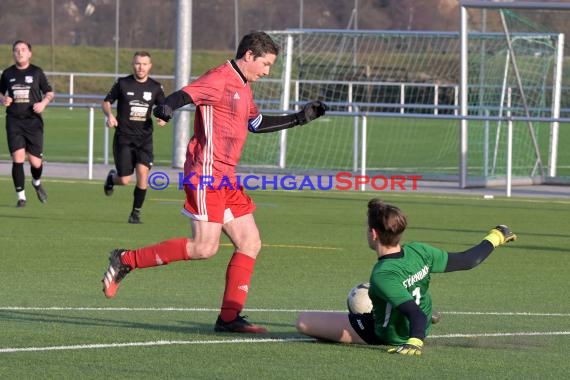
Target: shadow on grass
(174, 326)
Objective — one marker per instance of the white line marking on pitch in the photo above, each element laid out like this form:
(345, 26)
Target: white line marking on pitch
(507, 313)
(151, 343)
(487, 335)
(234, 341)
(262, 340)
(262, 310)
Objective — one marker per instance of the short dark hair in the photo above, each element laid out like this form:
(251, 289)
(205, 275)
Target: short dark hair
(260, 43)
(389, 221)
(141, 53)
(21, 42)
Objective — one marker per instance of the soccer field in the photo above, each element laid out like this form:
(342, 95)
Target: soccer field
(507, 318)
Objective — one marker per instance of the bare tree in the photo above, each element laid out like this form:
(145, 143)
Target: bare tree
(151, 24)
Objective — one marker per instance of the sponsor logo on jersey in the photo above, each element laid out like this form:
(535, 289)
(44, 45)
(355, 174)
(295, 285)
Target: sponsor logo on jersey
(21, 93)
(138, 111)
(236, 96)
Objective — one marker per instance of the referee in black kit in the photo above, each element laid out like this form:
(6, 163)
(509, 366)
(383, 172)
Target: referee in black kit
(136, 94)
(25, 92)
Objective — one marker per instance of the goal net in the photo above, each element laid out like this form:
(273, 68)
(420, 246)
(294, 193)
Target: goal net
(382, 87)
(395, 103)
(513, 66)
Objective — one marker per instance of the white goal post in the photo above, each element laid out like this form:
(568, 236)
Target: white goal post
(527, 43)
(402, 102)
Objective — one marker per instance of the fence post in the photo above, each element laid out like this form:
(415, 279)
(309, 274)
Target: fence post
(363, 152)
(105, 144)
(402, 98)
(436, 99)
(354, 129)
(90, 144)
(71, 89)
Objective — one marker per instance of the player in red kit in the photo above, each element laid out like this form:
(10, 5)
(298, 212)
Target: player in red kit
(225, 112)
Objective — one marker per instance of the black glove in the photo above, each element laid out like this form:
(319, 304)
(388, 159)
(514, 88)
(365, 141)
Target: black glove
(163, 112)
(311, 111)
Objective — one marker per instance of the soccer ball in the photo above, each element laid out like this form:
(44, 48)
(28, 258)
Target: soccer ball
(358, 301)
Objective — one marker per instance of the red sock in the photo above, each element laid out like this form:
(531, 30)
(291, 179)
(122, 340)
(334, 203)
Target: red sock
(238, 274)
(158, 254)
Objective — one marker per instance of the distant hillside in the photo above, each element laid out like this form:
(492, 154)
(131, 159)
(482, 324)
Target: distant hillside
(84, 59)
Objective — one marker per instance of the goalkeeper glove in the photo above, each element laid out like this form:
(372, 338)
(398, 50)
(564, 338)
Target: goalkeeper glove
(311, 111)
(412, 347)
(500, 235)
(163, 112)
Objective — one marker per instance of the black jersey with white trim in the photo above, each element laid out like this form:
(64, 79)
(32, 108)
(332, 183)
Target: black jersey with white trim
(26, 87)
(135, 101)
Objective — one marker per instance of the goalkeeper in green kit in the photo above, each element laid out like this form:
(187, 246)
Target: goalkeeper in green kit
(399, 286)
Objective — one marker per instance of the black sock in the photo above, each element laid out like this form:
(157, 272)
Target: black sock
(139, 195)
(37, 172)
(18, 176)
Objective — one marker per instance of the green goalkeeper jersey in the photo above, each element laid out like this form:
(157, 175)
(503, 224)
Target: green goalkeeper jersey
(402, 277)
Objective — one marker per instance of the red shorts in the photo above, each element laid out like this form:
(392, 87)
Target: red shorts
(218, 204)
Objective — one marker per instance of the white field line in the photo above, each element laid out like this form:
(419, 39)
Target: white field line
(486, 335)
(262, 310)
(151, 343)
(249, 340)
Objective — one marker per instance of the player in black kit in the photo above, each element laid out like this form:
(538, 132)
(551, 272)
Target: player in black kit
(25, 91)
(136, 95)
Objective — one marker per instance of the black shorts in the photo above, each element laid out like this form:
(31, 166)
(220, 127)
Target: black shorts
(129, 151)
(25, 134)
(363, 324)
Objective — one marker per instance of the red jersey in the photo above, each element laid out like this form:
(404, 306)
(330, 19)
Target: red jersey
(224, 105)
